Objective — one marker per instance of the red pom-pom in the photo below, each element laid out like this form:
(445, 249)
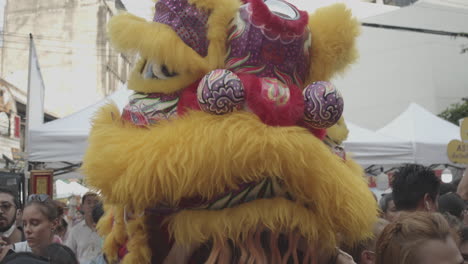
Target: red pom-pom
(272, 101)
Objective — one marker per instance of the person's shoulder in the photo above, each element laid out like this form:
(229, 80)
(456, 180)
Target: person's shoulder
(24, 257)
(77, 228)
(79, 225)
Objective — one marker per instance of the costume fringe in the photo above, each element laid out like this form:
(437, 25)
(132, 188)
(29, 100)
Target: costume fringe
(138, 249)
(113, 229)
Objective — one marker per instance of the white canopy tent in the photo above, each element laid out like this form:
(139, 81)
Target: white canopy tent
(397, 67)
(65, 190)
(428, 133)
(65, 139)
(370, 148)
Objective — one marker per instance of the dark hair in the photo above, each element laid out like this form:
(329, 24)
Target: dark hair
(46, 206)
(383, 203)
(60, 207)
(447, 188)
(63, 225)
(13, 194)
(464, 235)
(97, 213)
(410, 184)
(86, 195)
(453, 204)
(60, 254)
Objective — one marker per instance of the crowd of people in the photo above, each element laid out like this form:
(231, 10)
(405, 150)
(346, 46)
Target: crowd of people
(427, 220)
(40, 233)
(423, 221)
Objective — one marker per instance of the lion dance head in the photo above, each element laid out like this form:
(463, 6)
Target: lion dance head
(219, 155)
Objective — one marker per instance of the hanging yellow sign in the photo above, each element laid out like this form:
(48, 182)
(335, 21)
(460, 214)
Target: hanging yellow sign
(457, 150)
(464, 129)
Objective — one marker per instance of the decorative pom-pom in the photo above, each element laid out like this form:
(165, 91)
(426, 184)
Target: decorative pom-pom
(220, 92)
(323, 105)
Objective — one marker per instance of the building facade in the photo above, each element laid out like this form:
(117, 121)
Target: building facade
(77, 62)
(10, 122)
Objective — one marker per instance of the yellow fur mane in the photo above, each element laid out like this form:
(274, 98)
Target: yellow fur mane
(202, 155)
(333, 49)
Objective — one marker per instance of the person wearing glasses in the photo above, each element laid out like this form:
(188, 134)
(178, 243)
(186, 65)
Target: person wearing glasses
(40, 219)
(9, 209)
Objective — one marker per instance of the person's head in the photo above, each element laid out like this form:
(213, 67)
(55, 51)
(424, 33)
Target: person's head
(60, 254)
(417, 238)
(415, 187)
(364, 252)
(453, 204)
(464, 244)
(40, 219)
(387, 205)
(97, 213)
(88, 202)
(9, 206)
(447, 188)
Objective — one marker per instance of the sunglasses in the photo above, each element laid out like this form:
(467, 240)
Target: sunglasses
(38, 198)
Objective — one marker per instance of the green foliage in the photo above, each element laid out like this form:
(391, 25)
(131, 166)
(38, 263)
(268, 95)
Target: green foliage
(455, 112)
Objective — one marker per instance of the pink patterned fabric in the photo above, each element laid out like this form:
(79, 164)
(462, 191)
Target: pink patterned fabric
(257, 47)
(149, 109)
(189, 22)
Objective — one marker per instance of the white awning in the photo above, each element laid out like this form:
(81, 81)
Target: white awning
(367, 147)
(66, 139)
(428, 133)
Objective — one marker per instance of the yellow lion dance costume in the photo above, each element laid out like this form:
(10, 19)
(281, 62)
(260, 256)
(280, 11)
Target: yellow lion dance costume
(218, 157)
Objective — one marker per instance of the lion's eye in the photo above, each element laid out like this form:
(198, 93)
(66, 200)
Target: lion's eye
(156, 71)
(166, 71)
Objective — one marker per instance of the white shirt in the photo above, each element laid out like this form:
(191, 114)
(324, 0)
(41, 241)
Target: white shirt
(84, 242)
(22, 247)
(10, 231)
